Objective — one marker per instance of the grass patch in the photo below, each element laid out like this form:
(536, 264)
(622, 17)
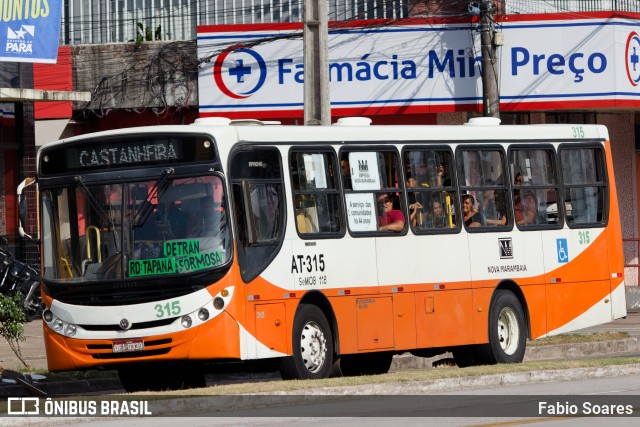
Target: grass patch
(578, 338)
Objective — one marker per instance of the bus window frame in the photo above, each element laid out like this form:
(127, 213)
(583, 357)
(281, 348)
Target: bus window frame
(605, 183)
(318, 149)
(512, 187)
(363, 146)
(453, 174)
(243, 181)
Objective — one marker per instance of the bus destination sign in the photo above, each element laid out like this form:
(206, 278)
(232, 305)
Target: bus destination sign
(127, 151)
(127, 154)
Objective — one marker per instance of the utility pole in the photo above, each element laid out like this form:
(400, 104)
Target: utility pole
(490, 94)
(317, 109)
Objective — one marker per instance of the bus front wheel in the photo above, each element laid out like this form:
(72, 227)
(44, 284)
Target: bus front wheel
(312, 346)
(507, 329)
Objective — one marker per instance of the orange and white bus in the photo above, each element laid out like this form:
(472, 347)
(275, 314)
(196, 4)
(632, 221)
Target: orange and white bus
(322, 247)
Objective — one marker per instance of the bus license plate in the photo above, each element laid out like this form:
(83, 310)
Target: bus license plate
(125, 346)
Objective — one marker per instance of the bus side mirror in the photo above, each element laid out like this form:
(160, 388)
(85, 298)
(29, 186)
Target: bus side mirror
(22, 207)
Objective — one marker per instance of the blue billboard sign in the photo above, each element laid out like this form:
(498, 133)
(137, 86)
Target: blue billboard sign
(30, 30)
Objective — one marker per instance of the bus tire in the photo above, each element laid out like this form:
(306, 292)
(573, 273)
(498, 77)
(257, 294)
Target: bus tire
(507, 329)
(365, 364)
(312, 346)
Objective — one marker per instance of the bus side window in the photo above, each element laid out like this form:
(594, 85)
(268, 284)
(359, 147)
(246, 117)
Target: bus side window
(376, 203)
(585, 185)
(535, 187)
(316, 192)
(430, 192)
(482, 176)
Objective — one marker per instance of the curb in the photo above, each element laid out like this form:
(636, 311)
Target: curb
(465, 383)
(546, 352)
(400, 362)
(583, 349)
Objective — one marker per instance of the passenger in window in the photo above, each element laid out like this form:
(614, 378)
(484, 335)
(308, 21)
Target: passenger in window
(526, 209)
(346, 174)
(493, 207)
(416, 214)
(389, 219)
(442, 178)
(437, 219)
(470, 216)
(422, 174)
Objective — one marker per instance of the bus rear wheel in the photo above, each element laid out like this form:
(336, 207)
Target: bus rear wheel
(507, 330)
(365, 364)
(312, 346)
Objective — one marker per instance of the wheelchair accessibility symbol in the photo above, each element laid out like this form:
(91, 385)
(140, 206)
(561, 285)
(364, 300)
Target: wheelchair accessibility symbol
(562, 249)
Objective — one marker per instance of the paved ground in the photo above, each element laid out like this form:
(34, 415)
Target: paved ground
(32, 349)
(34, 354)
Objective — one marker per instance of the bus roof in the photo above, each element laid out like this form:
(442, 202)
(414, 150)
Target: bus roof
(355, 129)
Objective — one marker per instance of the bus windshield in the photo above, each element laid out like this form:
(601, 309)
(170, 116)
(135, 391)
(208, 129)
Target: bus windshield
(134, 230)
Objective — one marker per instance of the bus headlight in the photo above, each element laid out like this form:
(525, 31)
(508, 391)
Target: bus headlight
(218, 303)
(70, 330)
(57, 325)
(47, 315)
(186, 321)
(203, 314)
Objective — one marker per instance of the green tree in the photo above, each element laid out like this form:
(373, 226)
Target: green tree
(12, 321)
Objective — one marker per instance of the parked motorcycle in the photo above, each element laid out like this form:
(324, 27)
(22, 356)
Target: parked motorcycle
(19, 277)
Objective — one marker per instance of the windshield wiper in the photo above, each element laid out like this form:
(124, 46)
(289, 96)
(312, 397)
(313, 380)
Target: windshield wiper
(157, 190)
(96, 206)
